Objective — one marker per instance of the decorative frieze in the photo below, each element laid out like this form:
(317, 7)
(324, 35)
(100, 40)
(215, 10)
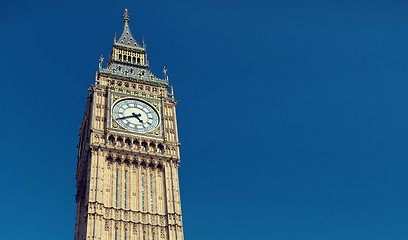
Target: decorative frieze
(128, 216)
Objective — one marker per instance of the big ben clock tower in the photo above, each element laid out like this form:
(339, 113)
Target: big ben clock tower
(128, 152)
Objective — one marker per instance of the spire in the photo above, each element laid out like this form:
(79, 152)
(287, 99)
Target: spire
(127, 39)
(128, 60)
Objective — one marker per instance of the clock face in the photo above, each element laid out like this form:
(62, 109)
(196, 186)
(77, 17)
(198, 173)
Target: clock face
(135, 115)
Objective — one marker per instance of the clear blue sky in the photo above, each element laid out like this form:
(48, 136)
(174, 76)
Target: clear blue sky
(293, 114)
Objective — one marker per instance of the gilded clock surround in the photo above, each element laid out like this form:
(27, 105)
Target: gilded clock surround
(127, 182)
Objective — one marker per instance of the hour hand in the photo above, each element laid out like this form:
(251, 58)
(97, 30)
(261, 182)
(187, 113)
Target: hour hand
(137, 116)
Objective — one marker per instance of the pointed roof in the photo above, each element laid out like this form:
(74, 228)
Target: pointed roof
(124, 68)
(127, 39)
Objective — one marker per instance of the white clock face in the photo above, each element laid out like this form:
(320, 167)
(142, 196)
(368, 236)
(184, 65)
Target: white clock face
(135, 115)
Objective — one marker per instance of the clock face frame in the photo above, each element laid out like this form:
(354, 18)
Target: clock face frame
(135, 115)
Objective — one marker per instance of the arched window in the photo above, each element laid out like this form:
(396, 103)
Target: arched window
(160, 148)
(120, 141)
(111, 140)
(120, 57)
(144, 146)
(152, 146)
(127, 143)
(136, 143)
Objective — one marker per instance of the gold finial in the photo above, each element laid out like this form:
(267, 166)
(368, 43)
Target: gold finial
(143, 41)
(165, 71)
(114, 38)
(126, 16)
(100, 61)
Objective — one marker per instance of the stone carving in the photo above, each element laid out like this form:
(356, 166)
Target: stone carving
(107, 212)
(106, 225)
(134, 229)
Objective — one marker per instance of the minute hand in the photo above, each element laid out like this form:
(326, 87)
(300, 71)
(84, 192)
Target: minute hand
(126, 117)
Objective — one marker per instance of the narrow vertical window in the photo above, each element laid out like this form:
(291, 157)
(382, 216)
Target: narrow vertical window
(151, 193)
(117, 185)
(125, 236)
(116, 235)
(125, 187)
(143, 194)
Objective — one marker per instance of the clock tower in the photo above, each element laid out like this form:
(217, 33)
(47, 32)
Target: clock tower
(128, 152)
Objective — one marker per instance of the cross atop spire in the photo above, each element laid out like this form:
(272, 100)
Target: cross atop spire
(126, 16)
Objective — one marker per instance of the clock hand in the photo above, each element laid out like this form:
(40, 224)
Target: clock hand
(125, 117)
(137, 116)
